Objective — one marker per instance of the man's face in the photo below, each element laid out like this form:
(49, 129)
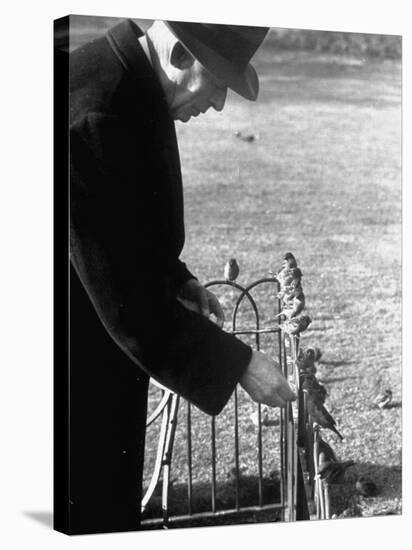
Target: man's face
(195, 91)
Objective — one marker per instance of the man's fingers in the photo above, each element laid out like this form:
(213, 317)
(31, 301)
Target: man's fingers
(217, 310)
(286, 392)
(204, 304)
(276, 401)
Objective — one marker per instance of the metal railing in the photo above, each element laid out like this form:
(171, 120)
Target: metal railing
(302, 492)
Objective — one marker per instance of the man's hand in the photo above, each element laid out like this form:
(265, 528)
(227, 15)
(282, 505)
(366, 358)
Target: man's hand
(265, 383)
(196, 297)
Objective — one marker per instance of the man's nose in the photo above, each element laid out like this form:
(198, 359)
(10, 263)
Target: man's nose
(219, 98)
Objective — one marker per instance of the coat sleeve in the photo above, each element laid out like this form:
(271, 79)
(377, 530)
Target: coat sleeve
(128, 280)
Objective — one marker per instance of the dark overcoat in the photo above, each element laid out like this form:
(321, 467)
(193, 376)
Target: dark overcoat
(126, 235)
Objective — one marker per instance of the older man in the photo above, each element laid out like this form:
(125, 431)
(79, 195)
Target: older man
(135, 309)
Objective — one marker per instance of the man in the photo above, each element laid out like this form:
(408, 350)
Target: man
(135, 309)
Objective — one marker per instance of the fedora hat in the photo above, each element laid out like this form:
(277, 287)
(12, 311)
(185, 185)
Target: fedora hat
(224, 51)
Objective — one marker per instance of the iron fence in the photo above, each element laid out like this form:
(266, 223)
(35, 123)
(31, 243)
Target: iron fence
(302, 493)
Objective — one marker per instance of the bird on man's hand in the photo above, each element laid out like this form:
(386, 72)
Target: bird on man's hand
(231, 271)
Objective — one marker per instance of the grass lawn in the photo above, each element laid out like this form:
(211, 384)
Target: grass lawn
(322, 180)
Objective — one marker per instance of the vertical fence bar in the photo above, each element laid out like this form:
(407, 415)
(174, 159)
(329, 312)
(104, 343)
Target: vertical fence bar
(167, 459)
(213, 426)
(282, 353)
(237, 503)
(189, 459)
(260, 460)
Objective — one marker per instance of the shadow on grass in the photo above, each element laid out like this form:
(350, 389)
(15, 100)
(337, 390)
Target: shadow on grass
(346, 500)
(225, 500)
(319, 329)
(338, 379)
(394, 405)
(336, 363)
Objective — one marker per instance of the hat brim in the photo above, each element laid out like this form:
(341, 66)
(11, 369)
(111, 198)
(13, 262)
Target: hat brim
(243, 81)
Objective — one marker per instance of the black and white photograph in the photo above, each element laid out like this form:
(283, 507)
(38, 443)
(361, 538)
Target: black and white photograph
(205, 277)
(235, 275)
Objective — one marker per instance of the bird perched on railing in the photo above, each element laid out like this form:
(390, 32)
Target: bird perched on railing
(326, 450)
(383, 400)
(321, 415)
(294, 303)
(366, 487)
(296, 325)
(231, 271)
(317, 353)
(312, 386)
(331, 471)
(289, 262)
(290, 284)
(306, 362)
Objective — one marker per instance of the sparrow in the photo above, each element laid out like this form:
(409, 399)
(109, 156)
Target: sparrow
(333, 471)
(383, 400)
(231, 271)
(317, 352)
(249, 138)
(290, 283)
(292, 307)
(296, 324)
(321, 415)
(312, 385)
(366, 487)
(326, 450)
(298, 304)
(305, 362)
(289, 260)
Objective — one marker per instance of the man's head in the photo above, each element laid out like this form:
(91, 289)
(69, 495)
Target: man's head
(193, 72)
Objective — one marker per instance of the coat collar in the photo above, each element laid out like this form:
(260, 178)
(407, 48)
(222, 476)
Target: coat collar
(124, 41)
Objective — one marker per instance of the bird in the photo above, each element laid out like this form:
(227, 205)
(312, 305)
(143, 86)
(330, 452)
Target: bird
(317, 353)
(249, 138)
(366, 487)
(312, 386)
(289, 262)
(297, 305)
(305, 362)
(321, 415)
(333, 471)
(296, 324)
(383, 400)
(231, 271)
(290, 283)
(326, 450)
(292, 307)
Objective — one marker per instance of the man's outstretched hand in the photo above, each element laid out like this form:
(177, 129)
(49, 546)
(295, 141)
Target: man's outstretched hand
(265, 383)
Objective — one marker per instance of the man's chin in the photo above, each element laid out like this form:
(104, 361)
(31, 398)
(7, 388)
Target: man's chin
(183, 116)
